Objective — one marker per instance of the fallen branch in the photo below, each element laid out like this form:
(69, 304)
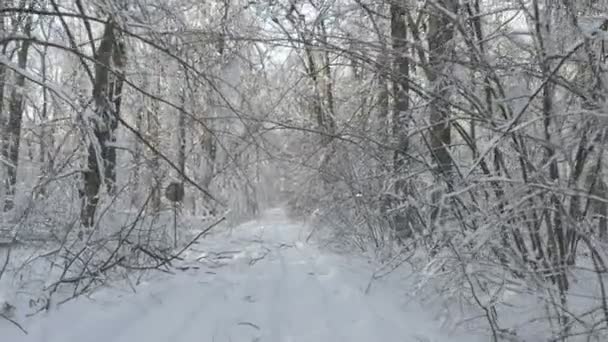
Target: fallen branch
(198, 236)
(3, 316)
(253, 261)
(163, 261)
(249, 324)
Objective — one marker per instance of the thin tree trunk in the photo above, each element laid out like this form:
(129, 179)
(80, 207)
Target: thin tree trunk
(383, 98)
(137, 158)
(330, 114)
(154, 129)
(156, 179)
(181, 145)
(181, 137)
(209, 158)
(43, 142)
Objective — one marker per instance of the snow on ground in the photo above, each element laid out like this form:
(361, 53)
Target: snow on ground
(256, 282)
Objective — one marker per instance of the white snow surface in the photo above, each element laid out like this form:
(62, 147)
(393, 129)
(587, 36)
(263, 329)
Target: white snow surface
(256, 282)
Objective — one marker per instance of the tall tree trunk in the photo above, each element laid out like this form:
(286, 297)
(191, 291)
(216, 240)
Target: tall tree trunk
(181, 137)
(44, 142)
(383, 98)
(101, 161)
(209, 157)
(440, 35)
(3, 134)
(181, 144)
(328, 86)
(109, 148)
(155, 176)
(154, 129)
(401, 104)
(15, 120)
(137, 158)
(474, 11)
(556, 225)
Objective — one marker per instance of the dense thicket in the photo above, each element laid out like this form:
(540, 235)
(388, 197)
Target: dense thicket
(466, 136)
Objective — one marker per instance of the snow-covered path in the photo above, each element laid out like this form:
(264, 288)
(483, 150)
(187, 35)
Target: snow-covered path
(260, 283)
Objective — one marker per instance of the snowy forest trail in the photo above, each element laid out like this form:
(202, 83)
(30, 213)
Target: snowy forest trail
(258, 282)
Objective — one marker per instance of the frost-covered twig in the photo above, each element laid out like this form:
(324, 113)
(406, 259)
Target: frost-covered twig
(15, 323)
(6, 261)
(166, 260)
(253, 261)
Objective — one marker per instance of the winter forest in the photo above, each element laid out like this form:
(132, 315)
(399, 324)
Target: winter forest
(458, 144)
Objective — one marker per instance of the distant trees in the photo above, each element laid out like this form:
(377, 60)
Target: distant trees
(95, 39)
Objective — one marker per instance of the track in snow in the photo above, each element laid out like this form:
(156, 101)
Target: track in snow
(264, 285)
